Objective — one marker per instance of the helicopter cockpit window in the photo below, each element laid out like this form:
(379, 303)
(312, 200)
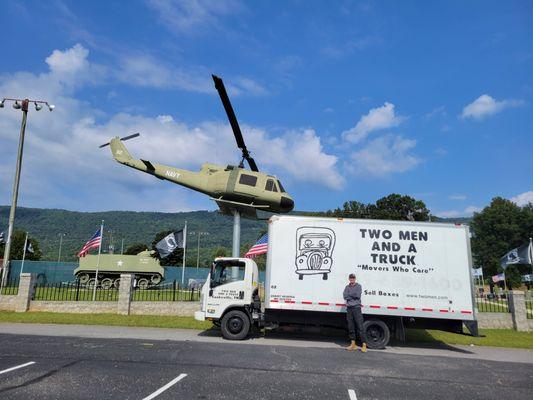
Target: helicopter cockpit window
(281, 187)
(249, 180)
(270, 186)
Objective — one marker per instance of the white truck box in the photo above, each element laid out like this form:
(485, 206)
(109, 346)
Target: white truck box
(418, 269)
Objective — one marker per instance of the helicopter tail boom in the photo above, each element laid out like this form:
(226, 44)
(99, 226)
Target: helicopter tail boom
(189, 179)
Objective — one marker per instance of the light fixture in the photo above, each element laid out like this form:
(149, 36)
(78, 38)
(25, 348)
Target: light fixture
(38, 107)
(16, 105)
(51, 107)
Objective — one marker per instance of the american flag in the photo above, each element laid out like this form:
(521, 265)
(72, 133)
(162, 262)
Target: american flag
(93, 243)
(260, 247)
(498, 278)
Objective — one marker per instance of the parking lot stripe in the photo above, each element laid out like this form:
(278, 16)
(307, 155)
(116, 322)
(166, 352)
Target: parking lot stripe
(17, 367)
(163, 388)
(352, 394)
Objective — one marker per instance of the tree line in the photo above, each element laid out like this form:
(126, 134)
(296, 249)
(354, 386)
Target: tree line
(498, 228)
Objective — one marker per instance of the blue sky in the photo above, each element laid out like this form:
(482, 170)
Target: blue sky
(342, 100)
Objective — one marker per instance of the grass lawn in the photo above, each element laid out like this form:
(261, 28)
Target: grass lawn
(154, 321)
(489, 337)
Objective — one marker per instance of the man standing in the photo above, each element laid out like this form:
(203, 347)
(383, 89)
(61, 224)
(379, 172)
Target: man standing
(352, 296)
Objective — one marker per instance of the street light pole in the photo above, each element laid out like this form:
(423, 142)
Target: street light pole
(18, 105)
(198, 248)
(60, 243)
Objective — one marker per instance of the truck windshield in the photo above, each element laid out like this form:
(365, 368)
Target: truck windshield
(221, 272)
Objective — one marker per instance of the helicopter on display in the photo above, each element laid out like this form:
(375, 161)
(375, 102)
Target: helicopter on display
(233, 188)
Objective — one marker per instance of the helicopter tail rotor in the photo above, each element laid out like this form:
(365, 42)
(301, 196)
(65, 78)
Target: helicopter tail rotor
(219, 85)
(122, 139)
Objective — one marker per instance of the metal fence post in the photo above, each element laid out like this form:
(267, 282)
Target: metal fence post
(77, 289)
(174, 290)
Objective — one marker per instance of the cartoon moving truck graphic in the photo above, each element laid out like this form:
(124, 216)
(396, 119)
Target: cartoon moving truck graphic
(314, 251)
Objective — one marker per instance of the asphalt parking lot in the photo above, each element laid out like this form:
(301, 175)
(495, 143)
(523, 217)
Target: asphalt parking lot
(46, 367)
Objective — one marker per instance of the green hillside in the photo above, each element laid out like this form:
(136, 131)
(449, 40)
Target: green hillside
(45, 225)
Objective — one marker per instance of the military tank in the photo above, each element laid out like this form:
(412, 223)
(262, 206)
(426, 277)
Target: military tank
(148, 272)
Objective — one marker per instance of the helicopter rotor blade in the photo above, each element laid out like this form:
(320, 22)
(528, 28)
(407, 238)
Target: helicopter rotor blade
(219, 85)
(124, 138)
(252, 164)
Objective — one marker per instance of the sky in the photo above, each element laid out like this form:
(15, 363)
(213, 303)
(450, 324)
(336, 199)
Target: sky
(342, 100)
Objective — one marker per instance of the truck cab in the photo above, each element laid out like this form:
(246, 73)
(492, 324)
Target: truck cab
(230, 296)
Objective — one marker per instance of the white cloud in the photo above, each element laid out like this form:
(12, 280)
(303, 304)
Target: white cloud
(379, 118)
(486, 105)
(384, 156)
(457, 197)
(146, 71)
(467, 212)
(523, 198)
(63, 166)
(193, 16)
(437, 111)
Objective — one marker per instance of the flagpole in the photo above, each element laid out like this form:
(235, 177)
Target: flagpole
(184, 252)
(98, 260)
(24, 253)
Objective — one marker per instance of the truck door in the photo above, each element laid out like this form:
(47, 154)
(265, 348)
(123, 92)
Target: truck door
(225, 287)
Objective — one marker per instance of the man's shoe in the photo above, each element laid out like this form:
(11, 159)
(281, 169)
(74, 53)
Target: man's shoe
(363, 348)
(352, 346)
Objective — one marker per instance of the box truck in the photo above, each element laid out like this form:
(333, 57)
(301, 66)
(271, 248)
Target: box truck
(413, 275)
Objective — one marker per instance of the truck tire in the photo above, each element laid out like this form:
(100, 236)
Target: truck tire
(377, 333)
(235, 325)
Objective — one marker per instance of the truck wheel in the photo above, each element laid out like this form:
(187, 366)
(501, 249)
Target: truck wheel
(235, 325)
(377, 333)
(116, 283)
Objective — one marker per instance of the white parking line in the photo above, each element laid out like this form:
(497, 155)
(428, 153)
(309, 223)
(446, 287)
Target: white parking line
(17, 367)
(352, 394)
(163, 388)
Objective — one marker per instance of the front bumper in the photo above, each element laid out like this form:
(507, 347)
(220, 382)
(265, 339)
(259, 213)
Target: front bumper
(199, 315)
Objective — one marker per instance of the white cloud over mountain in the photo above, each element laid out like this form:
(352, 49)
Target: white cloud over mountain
(63, 166)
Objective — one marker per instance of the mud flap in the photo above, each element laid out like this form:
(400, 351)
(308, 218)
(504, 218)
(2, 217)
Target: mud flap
(472, 327)
(399, 330)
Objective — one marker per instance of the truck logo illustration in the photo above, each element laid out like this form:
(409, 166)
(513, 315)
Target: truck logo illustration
(314, 251)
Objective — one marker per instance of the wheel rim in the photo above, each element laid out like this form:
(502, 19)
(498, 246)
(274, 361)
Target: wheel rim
(375, 334)
(84, 278)
(235, 324)
(117, 283)
(90, 283)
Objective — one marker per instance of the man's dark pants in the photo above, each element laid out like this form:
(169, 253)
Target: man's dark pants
(355, 323)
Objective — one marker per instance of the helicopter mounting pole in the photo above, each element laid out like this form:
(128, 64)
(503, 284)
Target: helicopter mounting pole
(236, 249)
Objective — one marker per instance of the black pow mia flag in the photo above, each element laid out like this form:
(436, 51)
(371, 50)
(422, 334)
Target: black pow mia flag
(169, 243)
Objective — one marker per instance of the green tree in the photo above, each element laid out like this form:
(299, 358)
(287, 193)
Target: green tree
(17, 245)
(174, 259)
(498, 228)
(135, 248)
(398, 207)
(391, 207)
(220, 252)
